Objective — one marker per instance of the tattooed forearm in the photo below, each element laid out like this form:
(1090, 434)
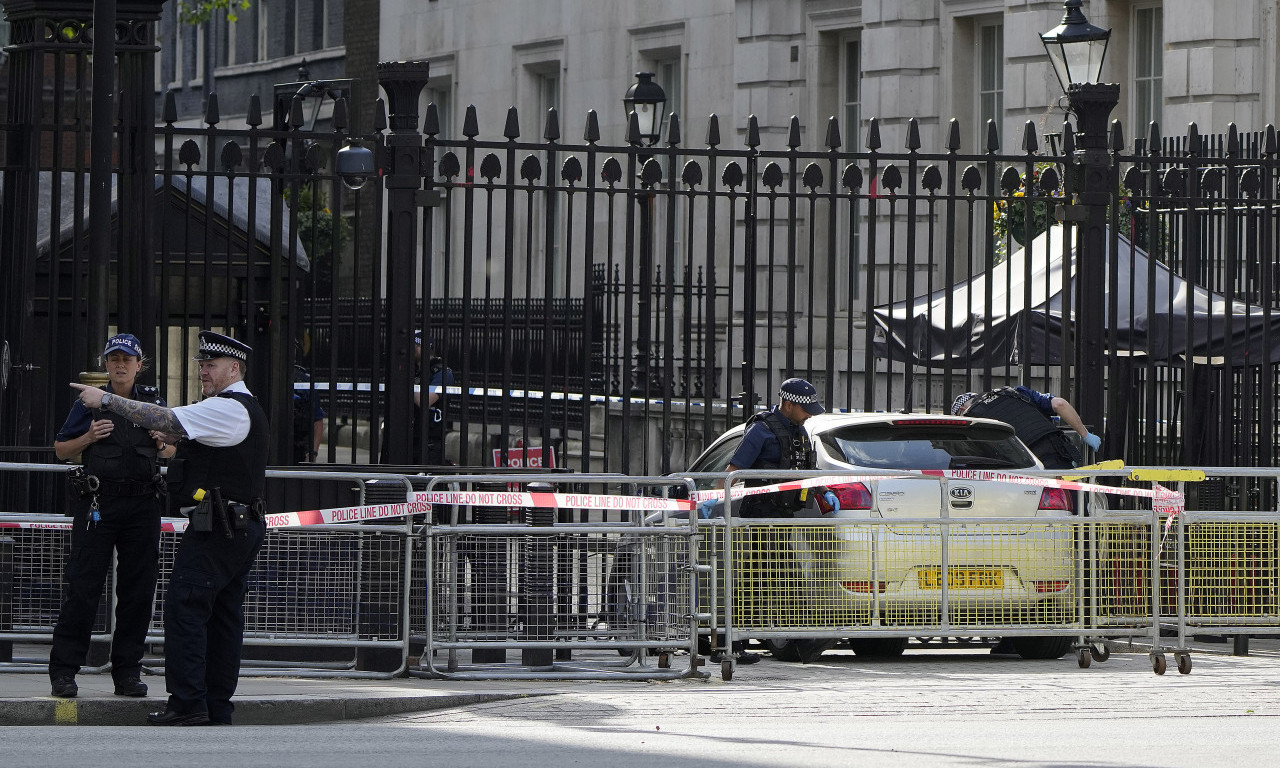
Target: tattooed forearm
(147, 415)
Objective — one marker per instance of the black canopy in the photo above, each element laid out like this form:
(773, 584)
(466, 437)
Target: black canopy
(1027, 312)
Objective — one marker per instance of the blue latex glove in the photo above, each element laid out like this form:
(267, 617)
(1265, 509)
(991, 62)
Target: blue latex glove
(833, 500)
(1093, 441)
(706, 508)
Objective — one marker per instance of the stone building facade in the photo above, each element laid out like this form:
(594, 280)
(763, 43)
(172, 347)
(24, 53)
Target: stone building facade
(1177, 61)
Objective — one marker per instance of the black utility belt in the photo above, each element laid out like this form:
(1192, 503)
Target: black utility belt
(126, 487)
(214, 513)
(86, 485)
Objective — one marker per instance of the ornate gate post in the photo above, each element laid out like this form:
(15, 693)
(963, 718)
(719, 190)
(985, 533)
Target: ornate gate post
(402, 81)
(50, 46)
(1092, 104)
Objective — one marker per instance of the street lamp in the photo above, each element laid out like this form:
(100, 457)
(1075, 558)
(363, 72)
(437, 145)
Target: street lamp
(648, 101)
(644, 104)
(1077, 49)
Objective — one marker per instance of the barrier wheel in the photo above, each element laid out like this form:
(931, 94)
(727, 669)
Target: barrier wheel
(1084, 658)
(1184, 663)
(1101, 652)
(726, 670)
(1158, 663)
(664, 661)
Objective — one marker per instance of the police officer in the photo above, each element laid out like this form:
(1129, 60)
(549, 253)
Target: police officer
(776, 439)
(115, 504)
(437, 376)
(218, 475)
(1031, 413)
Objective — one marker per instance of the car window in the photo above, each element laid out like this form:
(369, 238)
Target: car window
(883, 446)
(716, 458)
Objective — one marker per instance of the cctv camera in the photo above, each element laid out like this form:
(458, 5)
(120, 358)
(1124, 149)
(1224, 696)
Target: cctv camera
(355, 165)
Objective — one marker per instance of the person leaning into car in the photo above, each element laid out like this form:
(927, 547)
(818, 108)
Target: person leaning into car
(1031, 413)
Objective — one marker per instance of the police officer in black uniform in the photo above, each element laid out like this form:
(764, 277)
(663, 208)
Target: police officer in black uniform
(115, 504)
(433, 378)
(776, 439)
(217, 477)
(1031, 413)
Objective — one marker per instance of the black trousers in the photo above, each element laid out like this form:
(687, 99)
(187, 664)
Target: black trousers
(129, 526)
(204, 619)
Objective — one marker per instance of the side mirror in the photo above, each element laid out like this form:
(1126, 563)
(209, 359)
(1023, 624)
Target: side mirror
(355, 165)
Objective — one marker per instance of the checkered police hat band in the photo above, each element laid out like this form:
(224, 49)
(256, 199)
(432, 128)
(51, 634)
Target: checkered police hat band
(802, 399)
(222, 349)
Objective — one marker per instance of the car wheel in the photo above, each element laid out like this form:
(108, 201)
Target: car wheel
(878, 647)
(783, 650)
(798, 651)
(1041, 647)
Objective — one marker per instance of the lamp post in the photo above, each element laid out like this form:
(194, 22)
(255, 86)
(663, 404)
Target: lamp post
(1077, 50)
(644, 105)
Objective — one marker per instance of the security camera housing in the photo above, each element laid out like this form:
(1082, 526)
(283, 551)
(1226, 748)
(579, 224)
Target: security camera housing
(355, 165)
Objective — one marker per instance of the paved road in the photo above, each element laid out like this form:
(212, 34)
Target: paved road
(949, 708)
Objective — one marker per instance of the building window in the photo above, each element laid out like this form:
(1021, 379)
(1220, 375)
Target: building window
(1148, 67)
(849, 229)
(326, 29)
(201, 33)
(668, 73)
(263, 14)
(990, 76)
(292, 41)
(179, 56)
(547, 93)
(441, 97)
(229, 43)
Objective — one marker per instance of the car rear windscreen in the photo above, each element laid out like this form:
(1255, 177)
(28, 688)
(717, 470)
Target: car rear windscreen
(882, 446)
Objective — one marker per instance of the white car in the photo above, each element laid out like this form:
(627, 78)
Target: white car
(885, 575)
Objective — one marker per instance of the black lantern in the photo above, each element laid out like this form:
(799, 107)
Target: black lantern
(647, 99)
(1076, 47)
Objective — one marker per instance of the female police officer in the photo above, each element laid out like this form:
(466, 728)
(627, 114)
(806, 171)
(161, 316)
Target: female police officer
(117, 509)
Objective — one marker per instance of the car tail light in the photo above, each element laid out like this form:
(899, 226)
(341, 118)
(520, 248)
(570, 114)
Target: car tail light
(851, 496)
(863, 586)
(955, 422)
(1056, 499)
(1045, 587)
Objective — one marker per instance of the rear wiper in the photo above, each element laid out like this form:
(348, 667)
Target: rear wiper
(980, 462)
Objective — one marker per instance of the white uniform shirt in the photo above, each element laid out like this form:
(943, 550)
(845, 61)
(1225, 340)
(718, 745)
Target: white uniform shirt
(216, 421)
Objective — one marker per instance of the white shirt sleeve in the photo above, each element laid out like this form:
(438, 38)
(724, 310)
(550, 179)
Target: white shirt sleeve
(215, 421)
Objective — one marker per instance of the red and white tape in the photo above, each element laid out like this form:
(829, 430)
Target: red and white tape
(1164, 501)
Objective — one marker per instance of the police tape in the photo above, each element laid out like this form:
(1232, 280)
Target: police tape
(1162, 498)
(301, 519)
(1164, 501)
(544, 499)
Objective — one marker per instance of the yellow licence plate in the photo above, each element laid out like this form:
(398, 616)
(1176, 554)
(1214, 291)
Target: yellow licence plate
(962, 578)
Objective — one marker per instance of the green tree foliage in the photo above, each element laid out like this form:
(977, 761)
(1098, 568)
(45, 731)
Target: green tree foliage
(322, 232)
(201, 11)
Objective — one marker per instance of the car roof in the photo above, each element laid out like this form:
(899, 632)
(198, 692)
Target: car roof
(825, 422)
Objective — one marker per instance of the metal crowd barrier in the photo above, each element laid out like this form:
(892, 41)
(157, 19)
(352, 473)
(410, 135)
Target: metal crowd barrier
(1082, 579)
(583, 591)
(340, 590)
(578, 595)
